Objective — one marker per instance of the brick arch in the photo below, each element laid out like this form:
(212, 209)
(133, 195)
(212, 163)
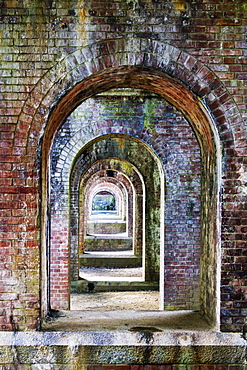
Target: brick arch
(105, 147)
(100, 56)
(144, 69)
(136, 198)
(132, 182)
(131, 179)
(124, 207)
(131, 167)
(111, 185)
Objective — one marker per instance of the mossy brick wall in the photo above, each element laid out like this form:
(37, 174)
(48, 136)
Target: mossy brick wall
(203, 44)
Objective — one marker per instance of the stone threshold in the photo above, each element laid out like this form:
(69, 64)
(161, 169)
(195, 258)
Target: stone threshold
(118, 337)
(121, 338)
(122, 347)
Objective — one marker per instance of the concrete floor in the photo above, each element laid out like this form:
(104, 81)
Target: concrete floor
(120, 311)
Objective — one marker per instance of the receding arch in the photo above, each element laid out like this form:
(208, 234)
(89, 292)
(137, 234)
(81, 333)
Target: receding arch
(110, 199)
(116, 207)
(108, 195)
(130, 176)
(129, 165)
(201, 122)
(123, 203)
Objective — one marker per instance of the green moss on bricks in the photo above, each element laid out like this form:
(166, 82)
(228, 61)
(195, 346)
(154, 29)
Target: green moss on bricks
(148, 112)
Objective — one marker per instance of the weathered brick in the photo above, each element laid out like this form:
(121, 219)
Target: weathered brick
(206, 42)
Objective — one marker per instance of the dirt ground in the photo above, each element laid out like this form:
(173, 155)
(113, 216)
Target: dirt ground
(141, 300)
(124, 300)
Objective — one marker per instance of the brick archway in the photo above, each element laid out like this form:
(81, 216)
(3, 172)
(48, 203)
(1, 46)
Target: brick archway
(152, 54)
(164, 60)
(138, 77)
(78, 183)
(155, 55)
(104, 148)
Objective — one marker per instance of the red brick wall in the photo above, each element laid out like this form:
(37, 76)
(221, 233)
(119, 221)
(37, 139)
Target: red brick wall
(47, 48)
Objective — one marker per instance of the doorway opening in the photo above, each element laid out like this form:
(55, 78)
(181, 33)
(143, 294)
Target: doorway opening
(112, 249)
(179, 213)
(120, 217)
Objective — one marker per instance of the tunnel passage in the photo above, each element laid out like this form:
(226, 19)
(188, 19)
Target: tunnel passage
(117, 211)
(108, 238)
(156, 127)
(106, 208)
(126, 176)
(126, 148)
